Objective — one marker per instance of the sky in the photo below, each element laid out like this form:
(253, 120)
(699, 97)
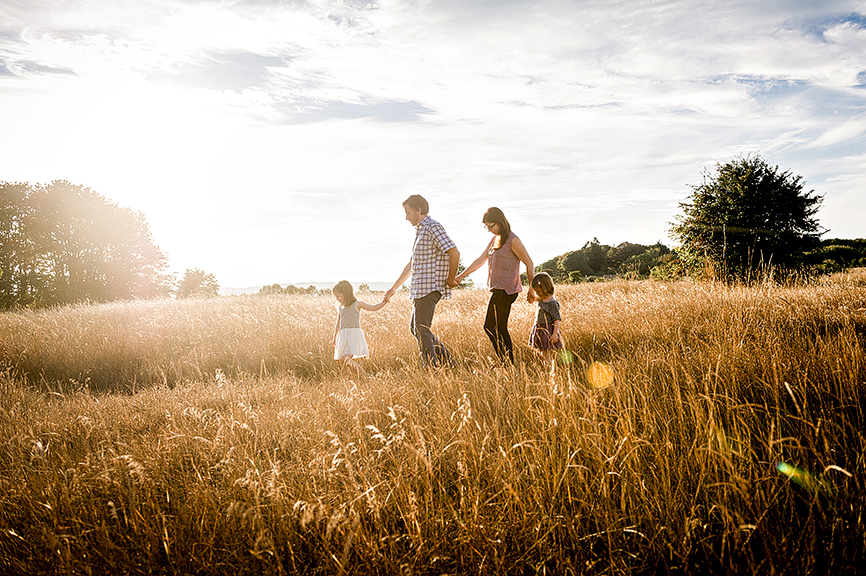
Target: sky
(272, 141)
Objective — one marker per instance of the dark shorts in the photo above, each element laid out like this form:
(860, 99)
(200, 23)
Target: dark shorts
(539, 338)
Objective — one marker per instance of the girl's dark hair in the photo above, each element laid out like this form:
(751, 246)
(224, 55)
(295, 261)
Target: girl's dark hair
(495, 216)
(542, 283)
(344, 288)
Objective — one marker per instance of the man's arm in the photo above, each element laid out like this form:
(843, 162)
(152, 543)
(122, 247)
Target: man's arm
(407, 271)
(453, 263)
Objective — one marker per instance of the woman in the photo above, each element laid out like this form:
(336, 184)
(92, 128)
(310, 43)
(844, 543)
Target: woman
(504, 253)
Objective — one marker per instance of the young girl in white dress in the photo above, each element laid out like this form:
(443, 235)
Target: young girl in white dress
(349, 341)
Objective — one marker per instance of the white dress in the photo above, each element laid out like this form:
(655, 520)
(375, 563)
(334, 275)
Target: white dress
(350, 339)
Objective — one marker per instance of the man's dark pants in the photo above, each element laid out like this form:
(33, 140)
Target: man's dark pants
(433, 351)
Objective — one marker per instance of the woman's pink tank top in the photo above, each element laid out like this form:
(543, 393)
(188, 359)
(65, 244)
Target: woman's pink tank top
(503, 268)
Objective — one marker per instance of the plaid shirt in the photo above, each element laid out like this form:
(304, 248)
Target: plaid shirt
(430, 261)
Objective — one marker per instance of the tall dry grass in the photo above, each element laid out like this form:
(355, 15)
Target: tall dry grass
(217, 437)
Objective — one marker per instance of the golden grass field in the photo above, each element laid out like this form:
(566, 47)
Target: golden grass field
(218, 437)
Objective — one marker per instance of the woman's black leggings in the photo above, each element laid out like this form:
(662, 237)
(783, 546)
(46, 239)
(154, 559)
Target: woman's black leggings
(496, 323)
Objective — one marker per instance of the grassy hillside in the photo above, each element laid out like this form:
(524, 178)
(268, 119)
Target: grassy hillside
(216, 436)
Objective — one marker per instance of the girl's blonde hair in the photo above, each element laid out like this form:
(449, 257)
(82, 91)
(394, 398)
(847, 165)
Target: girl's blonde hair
(344, 288)
(542, 283)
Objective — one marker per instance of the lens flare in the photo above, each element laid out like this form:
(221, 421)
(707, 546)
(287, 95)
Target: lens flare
(566, 357)
(801, 477)
(599, 374)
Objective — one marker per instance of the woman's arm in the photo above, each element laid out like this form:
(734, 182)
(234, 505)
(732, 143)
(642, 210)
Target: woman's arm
(476, 264)
(520, 251)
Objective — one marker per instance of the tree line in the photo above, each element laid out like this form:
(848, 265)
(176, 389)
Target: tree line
(62, 243)
(277, 288)
(596, 261)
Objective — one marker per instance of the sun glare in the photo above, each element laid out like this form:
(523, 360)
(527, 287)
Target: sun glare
(599, 374)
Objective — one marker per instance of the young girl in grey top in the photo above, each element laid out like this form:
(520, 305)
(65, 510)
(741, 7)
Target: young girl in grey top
(545, 337)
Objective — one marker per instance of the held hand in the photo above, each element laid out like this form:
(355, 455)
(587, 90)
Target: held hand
(454, 282)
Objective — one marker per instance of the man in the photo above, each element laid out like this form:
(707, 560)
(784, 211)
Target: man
(433, 268)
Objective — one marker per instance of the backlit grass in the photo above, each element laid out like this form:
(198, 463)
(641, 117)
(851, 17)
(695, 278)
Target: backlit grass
(723, 433)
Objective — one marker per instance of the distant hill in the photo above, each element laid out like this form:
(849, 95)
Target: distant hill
(628, 260)
(596, 260)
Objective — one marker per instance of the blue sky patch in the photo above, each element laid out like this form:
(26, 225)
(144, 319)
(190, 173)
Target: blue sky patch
(819, 28)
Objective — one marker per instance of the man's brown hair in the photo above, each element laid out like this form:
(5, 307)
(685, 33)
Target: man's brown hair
(417, 202)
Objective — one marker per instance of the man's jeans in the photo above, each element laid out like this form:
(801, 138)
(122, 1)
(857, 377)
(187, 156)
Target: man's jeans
(433, 351)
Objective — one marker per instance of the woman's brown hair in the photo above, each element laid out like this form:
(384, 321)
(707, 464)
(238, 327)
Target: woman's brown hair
(495, 216)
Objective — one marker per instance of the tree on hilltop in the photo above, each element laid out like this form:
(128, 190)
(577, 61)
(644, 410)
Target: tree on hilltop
(745, 215)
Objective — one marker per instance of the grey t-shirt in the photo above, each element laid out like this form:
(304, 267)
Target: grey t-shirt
(548, 312)
(350, 316)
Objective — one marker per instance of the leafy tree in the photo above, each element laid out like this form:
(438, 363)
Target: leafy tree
(551, 267)
(17, 284)
(271, 289)
(668, 267)
(619, 254)
(63, 243)
(746, 214)
(575, 261)
(596, 256)
(197, 283)
(468, 283)
(641, 263)
(836, 254)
